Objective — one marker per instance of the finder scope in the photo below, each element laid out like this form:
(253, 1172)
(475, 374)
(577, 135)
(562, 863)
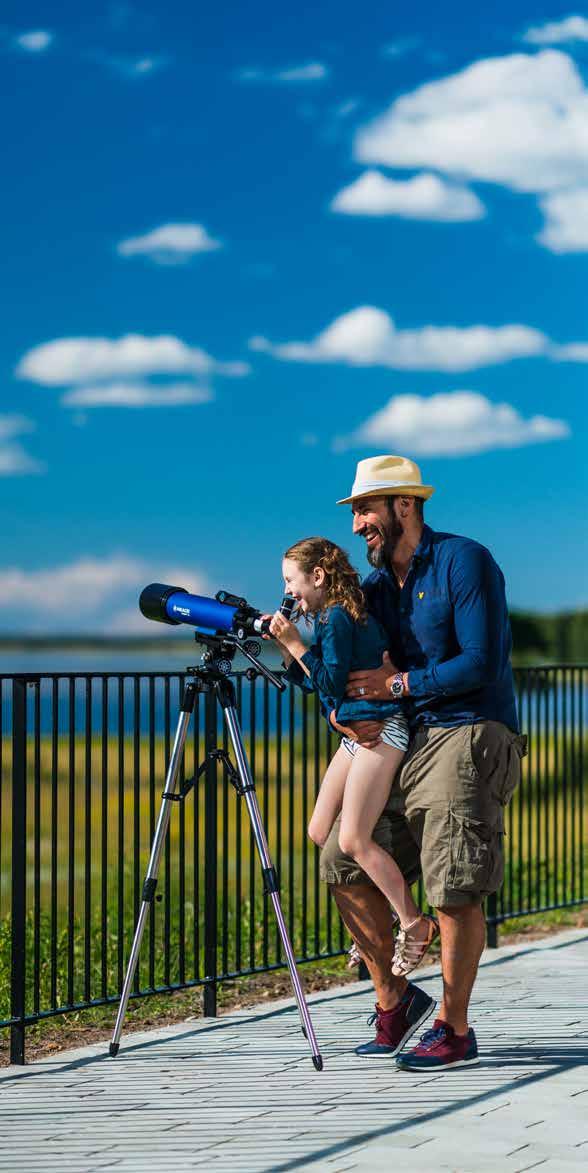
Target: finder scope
(224, 614)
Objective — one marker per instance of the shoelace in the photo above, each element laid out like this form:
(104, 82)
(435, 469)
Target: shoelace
(374, 1017)
(431, 1037)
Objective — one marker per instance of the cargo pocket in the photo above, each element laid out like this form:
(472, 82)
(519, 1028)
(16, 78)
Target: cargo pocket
(475, 853)
(517, 750)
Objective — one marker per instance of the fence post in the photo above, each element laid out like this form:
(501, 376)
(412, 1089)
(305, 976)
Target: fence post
(210, 856)
(19, 863)
(491, 925)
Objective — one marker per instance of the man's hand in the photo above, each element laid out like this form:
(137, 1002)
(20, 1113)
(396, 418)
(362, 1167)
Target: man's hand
(366, 733)
(373, 684)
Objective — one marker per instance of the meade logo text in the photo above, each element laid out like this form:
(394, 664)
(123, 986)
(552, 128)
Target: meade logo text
(181, 610)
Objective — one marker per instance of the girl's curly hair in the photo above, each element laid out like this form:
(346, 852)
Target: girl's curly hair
(341, 580)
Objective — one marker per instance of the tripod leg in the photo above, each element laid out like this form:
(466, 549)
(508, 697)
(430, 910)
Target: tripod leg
(150, 882)
(269, 873)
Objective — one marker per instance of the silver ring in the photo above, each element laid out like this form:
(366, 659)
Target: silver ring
(362, 691)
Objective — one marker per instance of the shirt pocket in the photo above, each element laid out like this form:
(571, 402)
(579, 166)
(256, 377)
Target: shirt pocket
(433, 617)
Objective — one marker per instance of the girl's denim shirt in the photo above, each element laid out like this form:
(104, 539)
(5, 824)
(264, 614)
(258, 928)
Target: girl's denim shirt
(342, 645)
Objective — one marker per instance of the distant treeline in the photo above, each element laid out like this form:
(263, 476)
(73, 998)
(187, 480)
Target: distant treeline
(561, 638)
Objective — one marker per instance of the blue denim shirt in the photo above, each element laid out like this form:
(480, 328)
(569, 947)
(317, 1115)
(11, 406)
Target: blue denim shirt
(448, 627)
(341, 645)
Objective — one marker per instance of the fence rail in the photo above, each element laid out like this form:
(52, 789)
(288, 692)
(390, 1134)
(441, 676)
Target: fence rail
(82, 760)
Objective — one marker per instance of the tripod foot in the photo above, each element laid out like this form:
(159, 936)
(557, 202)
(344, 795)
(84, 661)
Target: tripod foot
(113, 1050)
(318, 1062)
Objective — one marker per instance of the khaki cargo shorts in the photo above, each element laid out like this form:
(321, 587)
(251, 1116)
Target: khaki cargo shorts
(445, 814)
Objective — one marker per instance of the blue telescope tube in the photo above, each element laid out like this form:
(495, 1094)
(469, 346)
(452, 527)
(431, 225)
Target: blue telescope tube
(172, 604)
(200, 611)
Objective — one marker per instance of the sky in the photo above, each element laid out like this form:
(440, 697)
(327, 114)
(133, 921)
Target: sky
(244, 248)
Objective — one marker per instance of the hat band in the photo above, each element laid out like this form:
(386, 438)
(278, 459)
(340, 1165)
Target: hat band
(367, 486)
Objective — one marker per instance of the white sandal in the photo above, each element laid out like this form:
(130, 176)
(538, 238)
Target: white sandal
(410, 950)
(353, 954)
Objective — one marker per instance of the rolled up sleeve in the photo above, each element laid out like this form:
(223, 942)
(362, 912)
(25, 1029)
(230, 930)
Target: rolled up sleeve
(295, 675)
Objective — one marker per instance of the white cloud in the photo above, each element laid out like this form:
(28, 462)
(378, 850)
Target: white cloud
(574, 352)
(77, 360)
(424, 197)
(344, 109)
(311, 71)
(132, 67)
(520, 120)
(136, 395)
(566, 221)
(90, 594)
(557, 32)
(401, 47)
(454, 423)
(14, 459)
(36, 41)
(170, 243)
(368, 336)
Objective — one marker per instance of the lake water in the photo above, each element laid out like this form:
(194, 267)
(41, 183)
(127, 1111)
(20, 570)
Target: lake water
(114, 660)
(127, 705)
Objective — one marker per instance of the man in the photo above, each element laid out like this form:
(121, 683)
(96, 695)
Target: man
(441, 600)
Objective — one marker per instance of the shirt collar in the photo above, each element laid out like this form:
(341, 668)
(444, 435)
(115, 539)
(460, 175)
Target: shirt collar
(424, 547)
(420, 555)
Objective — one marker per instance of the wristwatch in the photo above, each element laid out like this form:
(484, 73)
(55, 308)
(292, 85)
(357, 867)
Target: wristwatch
(397, 686)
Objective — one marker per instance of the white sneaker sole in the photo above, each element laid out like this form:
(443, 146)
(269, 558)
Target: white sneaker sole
(441, 1067)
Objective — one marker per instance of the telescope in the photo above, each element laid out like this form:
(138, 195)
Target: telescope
(223, 625)
(226, 614)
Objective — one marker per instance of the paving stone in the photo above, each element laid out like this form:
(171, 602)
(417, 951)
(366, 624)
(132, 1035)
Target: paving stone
(240, 1093)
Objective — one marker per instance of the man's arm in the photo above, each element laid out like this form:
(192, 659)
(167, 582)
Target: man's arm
(478, 606)
(374, 684)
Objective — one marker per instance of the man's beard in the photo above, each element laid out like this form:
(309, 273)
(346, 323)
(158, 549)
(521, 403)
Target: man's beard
(382, 555)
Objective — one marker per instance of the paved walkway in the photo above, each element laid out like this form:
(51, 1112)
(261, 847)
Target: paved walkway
(240, 1093)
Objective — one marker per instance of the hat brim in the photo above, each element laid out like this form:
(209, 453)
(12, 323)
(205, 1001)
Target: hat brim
(424, 491)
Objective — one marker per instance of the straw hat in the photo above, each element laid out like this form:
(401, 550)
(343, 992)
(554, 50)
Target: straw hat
(385, 476)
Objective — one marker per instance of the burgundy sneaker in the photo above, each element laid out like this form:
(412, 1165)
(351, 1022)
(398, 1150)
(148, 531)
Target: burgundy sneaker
(440, 1048)
(395, 1027)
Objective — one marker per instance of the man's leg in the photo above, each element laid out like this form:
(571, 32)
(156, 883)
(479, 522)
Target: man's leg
(367, 915)
(455, 790)
(463, 936)
(401, 1007)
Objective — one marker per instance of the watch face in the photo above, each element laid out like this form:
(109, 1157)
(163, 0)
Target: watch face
(397, 688)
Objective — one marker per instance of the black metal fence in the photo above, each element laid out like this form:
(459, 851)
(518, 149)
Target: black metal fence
(83, 760)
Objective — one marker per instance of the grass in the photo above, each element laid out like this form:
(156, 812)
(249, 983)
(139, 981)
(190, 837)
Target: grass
(92, 802)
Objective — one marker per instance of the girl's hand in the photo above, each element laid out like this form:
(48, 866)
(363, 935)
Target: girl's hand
(286, 634)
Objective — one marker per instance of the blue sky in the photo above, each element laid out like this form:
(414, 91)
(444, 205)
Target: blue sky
(245, 248)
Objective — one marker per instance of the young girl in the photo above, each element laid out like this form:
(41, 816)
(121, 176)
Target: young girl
(357, 782)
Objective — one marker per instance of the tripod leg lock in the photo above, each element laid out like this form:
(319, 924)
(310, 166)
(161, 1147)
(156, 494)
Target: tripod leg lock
(149, 886)
(270, 880)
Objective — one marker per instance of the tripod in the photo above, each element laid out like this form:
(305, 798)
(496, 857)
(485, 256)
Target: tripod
(212, 677)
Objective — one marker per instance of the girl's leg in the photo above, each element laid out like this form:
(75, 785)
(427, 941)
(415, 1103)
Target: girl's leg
(330, 797)
(365, 796)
